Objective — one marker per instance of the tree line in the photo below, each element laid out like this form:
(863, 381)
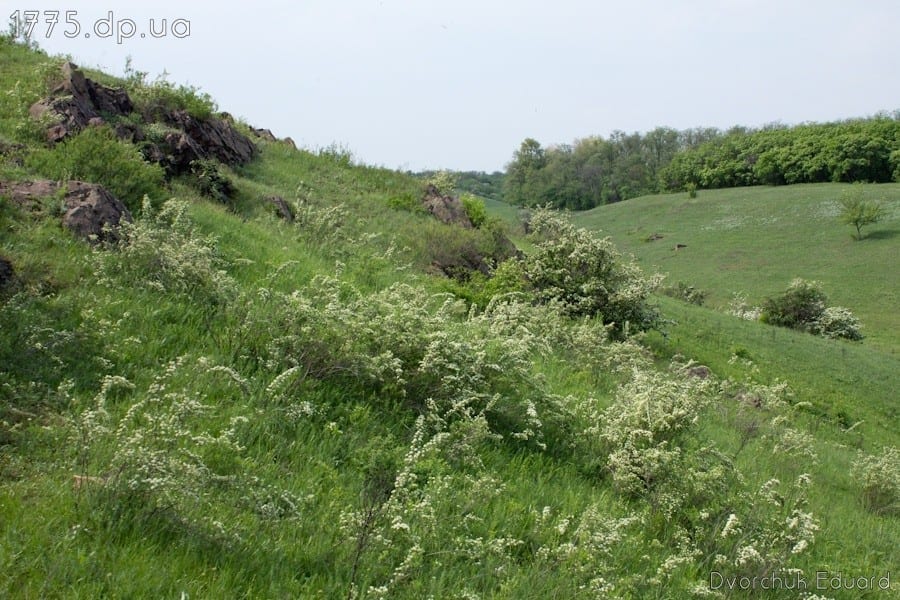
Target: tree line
(597, 170)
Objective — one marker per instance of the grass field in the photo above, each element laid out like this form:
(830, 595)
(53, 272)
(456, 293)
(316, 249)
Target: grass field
(756, 240)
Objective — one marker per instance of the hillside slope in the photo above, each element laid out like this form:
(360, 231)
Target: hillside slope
(221, 403)
(754, 241)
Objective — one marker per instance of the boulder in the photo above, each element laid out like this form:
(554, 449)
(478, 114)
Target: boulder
(447, 209)
(91, 212)
(216, 138)
(282, 208)
(77, 102)
(264, 134)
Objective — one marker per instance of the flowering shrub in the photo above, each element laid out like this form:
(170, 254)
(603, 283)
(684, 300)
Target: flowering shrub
(588, 275)
(163, 251)
(804, 306)
(880, 479)
(408, 344)
(644, 428)
(837, 322)
(160, 453)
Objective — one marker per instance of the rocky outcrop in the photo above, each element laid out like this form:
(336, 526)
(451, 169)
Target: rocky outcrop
(210, 138)
(77, 102)
(91, 212)
(447, 209)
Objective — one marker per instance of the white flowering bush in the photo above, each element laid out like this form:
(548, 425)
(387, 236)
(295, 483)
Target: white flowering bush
(421, 348)
(771, 531)
(163, 251)
(162, 451)
(741, 308)
(588, 275)
(879, 477)
(644, 429)
(837, 322)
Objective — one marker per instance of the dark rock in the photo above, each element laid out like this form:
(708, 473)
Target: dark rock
(265, 134)
(282, 208)
(289, 142)
(214, 137)
(78, 102)
(655, 236)
(699, 371)
(447, 209)
(91, 212)
(6, 272)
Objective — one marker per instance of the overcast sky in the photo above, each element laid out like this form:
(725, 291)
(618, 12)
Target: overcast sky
(460, 83)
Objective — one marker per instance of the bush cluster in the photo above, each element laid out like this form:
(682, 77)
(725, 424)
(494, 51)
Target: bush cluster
(804, 306)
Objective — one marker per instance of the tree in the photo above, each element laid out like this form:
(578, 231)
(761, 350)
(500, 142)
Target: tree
(858, 211)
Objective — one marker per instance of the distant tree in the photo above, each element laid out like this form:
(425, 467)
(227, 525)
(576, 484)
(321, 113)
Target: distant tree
(859, 212)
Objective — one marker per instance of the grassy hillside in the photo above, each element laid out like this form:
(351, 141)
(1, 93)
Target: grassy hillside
(229, 405)
(756, 240)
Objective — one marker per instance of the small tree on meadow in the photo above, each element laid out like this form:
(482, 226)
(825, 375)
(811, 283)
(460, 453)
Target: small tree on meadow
(859, 212)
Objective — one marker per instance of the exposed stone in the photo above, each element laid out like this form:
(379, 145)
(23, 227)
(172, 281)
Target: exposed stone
(215, 138)
(289, 142)
(447, 209)
(78, 102)
(265, 134)
(91, 212)
(699, 371)
(282, 208)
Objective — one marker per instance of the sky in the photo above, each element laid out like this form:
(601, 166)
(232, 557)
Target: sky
(459, 84)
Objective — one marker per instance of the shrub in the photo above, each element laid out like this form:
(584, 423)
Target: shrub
(96, 156)
(588, 275)
(475, 209)
(799, 307)
(211, 182)
(444, 182)
(838, 322)
(162, 251)
(880, 479)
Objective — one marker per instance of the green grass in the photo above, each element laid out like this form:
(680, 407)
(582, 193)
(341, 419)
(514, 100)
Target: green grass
(494, 518)
(756, 240)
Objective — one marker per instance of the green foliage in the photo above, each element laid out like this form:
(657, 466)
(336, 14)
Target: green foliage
(588, 275)
(475, 209)
(159, 97)
(859, 212)
(799, 307)
(846, 151)
(804, 306)
(444, 182)
(212, 183)
(96, 156)
(163, 251)
(880, 479)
